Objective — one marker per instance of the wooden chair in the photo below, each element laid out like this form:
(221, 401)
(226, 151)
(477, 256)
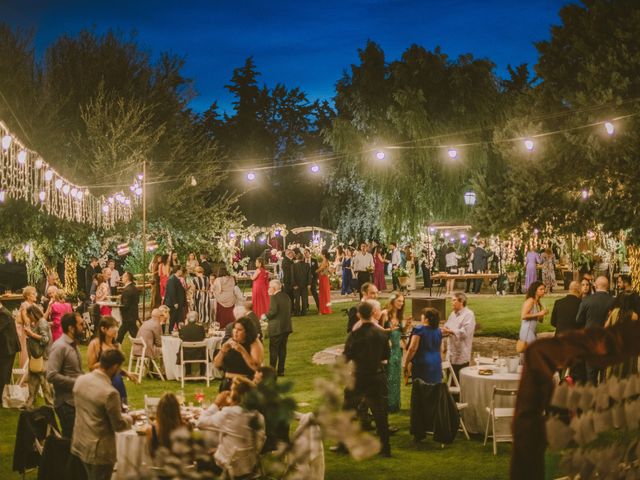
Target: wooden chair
(498, 413)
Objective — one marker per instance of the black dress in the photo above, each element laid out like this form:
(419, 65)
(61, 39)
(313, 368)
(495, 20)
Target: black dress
(234, 363)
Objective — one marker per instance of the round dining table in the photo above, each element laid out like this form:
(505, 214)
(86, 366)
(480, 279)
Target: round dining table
(476, 391)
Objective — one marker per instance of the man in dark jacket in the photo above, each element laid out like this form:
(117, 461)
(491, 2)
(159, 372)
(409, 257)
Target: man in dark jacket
(480, 257)
(193, 332)
(287, 273)
(279, 318)
(313, 266)
(565, 310)
(90, 270)
(9, 346)
(129, 310)
(301, 281)
(175, 298)
(206, 266)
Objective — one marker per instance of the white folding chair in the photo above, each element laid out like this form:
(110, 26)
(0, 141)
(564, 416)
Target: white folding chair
(21, 373)
(183, 363)
(142, 360)
(454, 388)
(499, 413)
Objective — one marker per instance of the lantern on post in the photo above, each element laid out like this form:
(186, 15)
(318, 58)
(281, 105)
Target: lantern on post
(470, 198)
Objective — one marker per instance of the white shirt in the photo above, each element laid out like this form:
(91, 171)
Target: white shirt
(396, 259)
(451, 259)
(361, 261)
(115, 278)
(233, 429)
(462, 325)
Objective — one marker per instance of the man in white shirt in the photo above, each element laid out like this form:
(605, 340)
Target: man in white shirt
(396, 261)
(459, 331)
(114, 277)
(362, 265)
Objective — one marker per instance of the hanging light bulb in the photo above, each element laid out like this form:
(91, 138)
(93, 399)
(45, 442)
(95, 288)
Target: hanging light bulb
(105, 208)
(133, 187)
(609, 128)
(232, 234)
(315, 168)
(59, 183)
(9, 257)
(251, 176)
(453, 153)
(140, 176)
(110, 200)
(528, 144)
(127, 201)
(6, 142)
(48, 175)
(3, 196)
(38, 163)
(22, 157)
(138, 191)
(380, 155)
(584, 194)
(66, 188)
(79, 195)
(194, 182)
(86, 192)
(74, 192)
(42, 195)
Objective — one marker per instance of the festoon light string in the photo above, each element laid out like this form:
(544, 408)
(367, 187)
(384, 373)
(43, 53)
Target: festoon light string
(24, 175)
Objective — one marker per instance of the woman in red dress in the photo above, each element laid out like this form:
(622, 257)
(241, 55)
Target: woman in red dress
(163, 275)
(260, 289)
(378, 270)
(324, 284)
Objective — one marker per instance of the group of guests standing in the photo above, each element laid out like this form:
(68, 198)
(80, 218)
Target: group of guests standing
(303, 274)
(383, 343)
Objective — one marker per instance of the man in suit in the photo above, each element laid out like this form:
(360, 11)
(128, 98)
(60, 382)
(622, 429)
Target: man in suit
(129, 310)
(313, 266)
(565, 310)
(287, 273)
(193, 332)
(480, 257)
(98, 417)
(92, 269)
(301, 281)
(593, 312)
(151, 332)
(279, 318)
(9, 346)
(206, 266)
(175, 297)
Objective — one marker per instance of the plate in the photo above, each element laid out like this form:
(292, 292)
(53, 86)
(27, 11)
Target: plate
(485, 372)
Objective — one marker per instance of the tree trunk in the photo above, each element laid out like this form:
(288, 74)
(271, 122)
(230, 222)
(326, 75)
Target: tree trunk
(633, 257)
(70, 274)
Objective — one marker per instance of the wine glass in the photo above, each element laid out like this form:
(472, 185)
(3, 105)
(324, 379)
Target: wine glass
(180, 397)
(476, 359)
(494, 356)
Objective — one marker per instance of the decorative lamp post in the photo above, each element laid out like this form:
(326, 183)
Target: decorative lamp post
(470, 198)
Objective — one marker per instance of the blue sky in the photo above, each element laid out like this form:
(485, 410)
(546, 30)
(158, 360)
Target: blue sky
(298, 43)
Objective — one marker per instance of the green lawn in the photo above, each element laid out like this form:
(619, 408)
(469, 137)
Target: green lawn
(462, 459)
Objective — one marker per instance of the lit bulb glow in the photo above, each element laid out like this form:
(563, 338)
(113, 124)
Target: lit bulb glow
(585, 194)
(140, 176)
(80, 195)
(65, 189)
(194, 182)
(232, 234)
(42, 196)
(110, 200)
(48, 175)
(105, 208)
(380, 155)
(453, 153)
(58, 184)
(138, 191)
(22, 157)
(6, 142)
(528, 144)
(315, 168)
(3, 196)
(251, 176)
(38, 163)
(74, 192)
(609, 128)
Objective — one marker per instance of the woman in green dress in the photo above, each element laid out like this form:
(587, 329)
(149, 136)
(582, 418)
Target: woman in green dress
(395, 325)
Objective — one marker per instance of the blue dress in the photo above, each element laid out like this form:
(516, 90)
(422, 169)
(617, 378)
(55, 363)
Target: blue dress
(346, 276)
(427, 362)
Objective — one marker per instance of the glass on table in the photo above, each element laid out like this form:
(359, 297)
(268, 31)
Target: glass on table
(494, 356)
(476, 359)
(180, 397)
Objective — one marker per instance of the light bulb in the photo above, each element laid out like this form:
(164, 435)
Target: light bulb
(66, 188)
(139, 191)
(105, 208)
(6, 142)
(48, 175)
(232, 234)
(315, 168)
(127, 201)
(38, 163)
(585, 194)
(74, 192)
(609, 127)
(453, 153)
(3, 195)
(42, 196)
(110, 200)
(86, 191)
(528, 144)
(194, 182)
(251, 176)
(380, 155)
(79, 195)
(22, 157)
(58, 184)
(140, 176)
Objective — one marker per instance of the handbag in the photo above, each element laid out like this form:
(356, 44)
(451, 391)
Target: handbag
(36, 365)
(15, 396)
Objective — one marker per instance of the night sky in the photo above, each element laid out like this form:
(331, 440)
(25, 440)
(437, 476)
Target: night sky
(298, 43)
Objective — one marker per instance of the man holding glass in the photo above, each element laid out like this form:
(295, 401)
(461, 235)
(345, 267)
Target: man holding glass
(459, 331)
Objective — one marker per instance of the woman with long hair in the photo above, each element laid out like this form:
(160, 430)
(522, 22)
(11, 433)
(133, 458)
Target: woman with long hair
(423, 360)
(102, 293)
(56, 309)
(532, 312)
(164, 271)
(624, 312)
(548, 260)
(240, 356)
(191, 264)
(260, 289)
(29, 295)
(106, 340)
(378, 269)
(201, 297)
(38, 341)
(395, 326)
(347, 274)
(224, 293)
(324, 286)
(168, 419)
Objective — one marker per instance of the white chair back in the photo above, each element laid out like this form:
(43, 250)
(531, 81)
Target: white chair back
(183, 363)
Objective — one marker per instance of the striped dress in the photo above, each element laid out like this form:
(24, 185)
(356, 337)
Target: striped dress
(201, 298)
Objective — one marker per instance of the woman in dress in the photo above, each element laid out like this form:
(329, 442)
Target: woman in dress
(532, 312)
(423, 360)
(548, 260)
(173, 259)
(56, 309)
(260, 289)
(324, 285)
(223, 291)
(395, 326)
(241, 355)
(106, 340)
(29, 295)
(347, 275)
(337, 264)
(164, 271)
(451, 262)
(192, 263)
(102, 294)
(168, 419)
(38, 341)
(201, 298)
(411, 269)
(531, 261)
(378, 270)
(154, 269)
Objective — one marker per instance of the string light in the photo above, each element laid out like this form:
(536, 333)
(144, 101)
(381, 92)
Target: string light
(6, 142)
(194, 182)
(38, 163)
(42, 195)
(74, 192)
(22, 157)
(105, 208)
(138, 191)
(380, 155)
(140, 176)
(66, 188)
(528, 144)
(609, 128)
(585, 194)
(453, 153)
(315, 168)
(251, 176)
(48, 175)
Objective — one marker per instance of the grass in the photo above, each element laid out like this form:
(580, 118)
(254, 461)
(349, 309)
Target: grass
(462, 459)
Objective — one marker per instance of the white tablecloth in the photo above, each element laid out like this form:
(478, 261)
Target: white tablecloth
(170, 349)
(131, 454)
(115, 310)
(476, 390)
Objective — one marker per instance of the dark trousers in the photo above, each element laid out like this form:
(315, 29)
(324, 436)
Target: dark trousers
(176, 315)
(288, 289)
(373, 392)
(457, 368)
(363, 277)
(314, 293)
(278, 351)
(479, 282)
(127, 326)
(426, 276)
(301, 300)
(395, 283)
(98, 472)
(67, 417)
(114, 291)
(6, 365)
